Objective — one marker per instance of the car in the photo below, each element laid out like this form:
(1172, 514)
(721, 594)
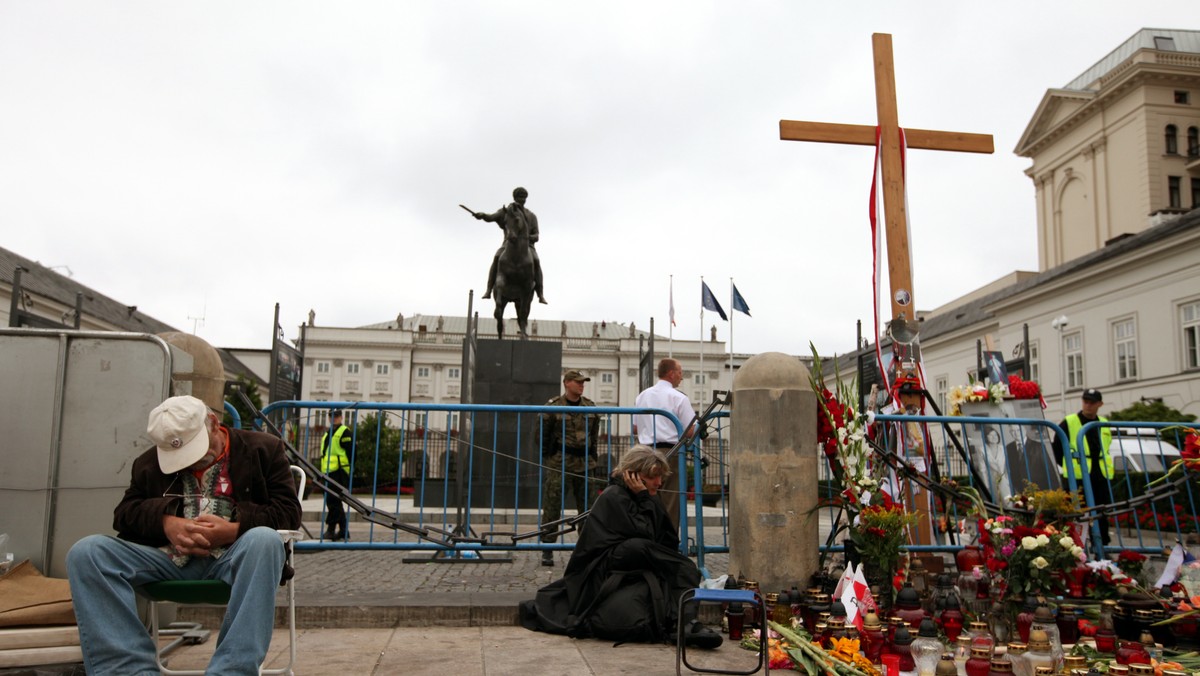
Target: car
(1139, 449)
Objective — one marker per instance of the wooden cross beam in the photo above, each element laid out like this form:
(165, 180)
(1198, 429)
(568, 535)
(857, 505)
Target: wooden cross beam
(896, 229)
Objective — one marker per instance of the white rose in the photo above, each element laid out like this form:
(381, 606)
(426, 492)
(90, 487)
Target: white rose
(1039, 563)
(1029, 543)
(1043, 540)
(1066, 542)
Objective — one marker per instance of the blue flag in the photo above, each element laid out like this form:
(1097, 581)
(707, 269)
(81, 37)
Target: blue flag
(709, 301)
(738, 303)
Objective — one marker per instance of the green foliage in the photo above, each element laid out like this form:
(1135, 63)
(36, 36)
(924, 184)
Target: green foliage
(251, 389)
(373, 432)
(1150, 411)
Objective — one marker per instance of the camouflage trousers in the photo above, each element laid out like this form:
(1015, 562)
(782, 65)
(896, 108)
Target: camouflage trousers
(575, 467)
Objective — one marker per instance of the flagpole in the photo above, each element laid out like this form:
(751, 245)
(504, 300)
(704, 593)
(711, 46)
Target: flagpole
(732, 312)
(671, 328)
(701, 402)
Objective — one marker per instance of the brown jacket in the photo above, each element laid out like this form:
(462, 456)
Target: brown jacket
(262, 485)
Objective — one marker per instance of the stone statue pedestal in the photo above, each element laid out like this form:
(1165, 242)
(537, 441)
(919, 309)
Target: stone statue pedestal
(514, 372)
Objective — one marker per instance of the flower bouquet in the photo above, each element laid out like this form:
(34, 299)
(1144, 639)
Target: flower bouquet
(1033, 553)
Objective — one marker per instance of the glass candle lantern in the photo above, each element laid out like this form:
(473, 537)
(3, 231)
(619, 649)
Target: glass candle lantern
(980, 662)
(1025, 618)
(1038, 654)
(1106, 633)
(951, 617)
(1001, 666)
(962, 653)
(926, 648)
(908, 606)
(1068, 624)
(902, 646)
(1043, 620)
(874, 637)
(1015, 650)
(946, 666)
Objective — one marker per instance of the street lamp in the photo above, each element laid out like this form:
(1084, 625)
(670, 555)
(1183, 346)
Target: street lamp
(1060, 322)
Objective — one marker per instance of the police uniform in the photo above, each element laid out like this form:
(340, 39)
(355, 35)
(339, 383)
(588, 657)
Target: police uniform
(1098, 460)
(568, 443)
(335, 463)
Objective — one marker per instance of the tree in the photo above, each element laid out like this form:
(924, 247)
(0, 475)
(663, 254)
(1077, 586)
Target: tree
(1150, 411)
(374, 432)
(251, 389)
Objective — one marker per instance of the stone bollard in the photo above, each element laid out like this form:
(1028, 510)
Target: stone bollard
(773, 524)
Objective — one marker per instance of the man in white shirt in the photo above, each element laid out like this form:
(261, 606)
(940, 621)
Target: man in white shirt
(657, 431)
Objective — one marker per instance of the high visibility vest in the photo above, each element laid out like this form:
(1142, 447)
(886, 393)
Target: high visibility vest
(1074, 424)
(334, 456)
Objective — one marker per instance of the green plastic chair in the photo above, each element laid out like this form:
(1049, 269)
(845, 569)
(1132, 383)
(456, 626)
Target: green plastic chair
(215, 593)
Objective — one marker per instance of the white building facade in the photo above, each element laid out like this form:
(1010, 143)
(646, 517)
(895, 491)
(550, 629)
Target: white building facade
(1116, 168)
(418, 359)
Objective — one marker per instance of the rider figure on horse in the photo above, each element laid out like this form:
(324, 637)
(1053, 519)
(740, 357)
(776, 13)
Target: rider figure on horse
(505, 215)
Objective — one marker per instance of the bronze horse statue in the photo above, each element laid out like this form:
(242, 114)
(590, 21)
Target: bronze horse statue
(514, 276)
(515, 273)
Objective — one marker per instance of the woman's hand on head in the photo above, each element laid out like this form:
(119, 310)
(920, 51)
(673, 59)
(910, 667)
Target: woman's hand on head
(634, 482)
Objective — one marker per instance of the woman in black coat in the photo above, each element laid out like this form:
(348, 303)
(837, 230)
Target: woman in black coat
(626, 574)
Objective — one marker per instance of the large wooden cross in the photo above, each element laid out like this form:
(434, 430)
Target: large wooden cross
(896, 230)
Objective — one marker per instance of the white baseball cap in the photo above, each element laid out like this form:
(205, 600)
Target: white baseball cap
(177, 427)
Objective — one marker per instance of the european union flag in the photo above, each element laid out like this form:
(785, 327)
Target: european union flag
(709, 301)
(738, 303)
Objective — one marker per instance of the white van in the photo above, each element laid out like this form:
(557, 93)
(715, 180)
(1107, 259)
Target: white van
(1138, 449)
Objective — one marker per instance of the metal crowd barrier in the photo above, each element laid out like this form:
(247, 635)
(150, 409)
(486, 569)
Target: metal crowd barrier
(407, 468)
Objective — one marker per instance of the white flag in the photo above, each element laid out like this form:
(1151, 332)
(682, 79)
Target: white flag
(1171, 570)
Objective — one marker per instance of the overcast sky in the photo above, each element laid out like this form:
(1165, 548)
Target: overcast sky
(209, 159)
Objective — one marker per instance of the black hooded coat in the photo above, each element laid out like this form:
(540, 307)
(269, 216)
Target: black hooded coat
(624, 578)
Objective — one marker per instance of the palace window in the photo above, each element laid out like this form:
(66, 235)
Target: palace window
(1073, 351)
(1172, 140)
(699, 378)
(422, 371)
(321, 385)
(1189, 320)
(322, 367)
(352, 368)
(1173, 199)
(606, 378)
(1125, 348)
(453, 373)
(1193, 141)
(383, 369)
(1181, 97)
(1195, 192)
(941, 388)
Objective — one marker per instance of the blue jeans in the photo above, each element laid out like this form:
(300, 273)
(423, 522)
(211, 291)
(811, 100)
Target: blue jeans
(104, 571)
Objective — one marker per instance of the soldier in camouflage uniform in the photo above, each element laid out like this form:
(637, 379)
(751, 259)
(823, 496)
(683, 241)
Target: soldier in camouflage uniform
(569, 450)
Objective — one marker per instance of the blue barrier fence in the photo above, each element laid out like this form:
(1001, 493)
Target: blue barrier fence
(407, 465)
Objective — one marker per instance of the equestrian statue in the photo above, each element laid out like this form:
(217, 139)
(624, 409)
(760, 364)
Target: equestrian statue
(516, 272)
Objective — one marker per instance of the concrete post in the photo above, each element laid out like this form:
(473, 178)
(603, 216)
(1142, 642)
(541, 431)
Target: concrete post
(773, 524)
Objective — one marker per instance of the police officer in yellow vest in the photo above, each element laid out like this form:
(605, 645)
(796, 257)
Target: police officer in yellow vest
(1095, 446)
(337, 447)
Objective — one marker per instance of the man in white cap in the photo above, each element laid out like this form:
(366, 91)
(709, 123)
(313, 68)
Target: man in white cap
(203, 504)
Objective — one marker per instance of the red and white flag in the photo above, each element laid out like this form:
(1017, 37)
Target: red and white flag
(854, 593)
